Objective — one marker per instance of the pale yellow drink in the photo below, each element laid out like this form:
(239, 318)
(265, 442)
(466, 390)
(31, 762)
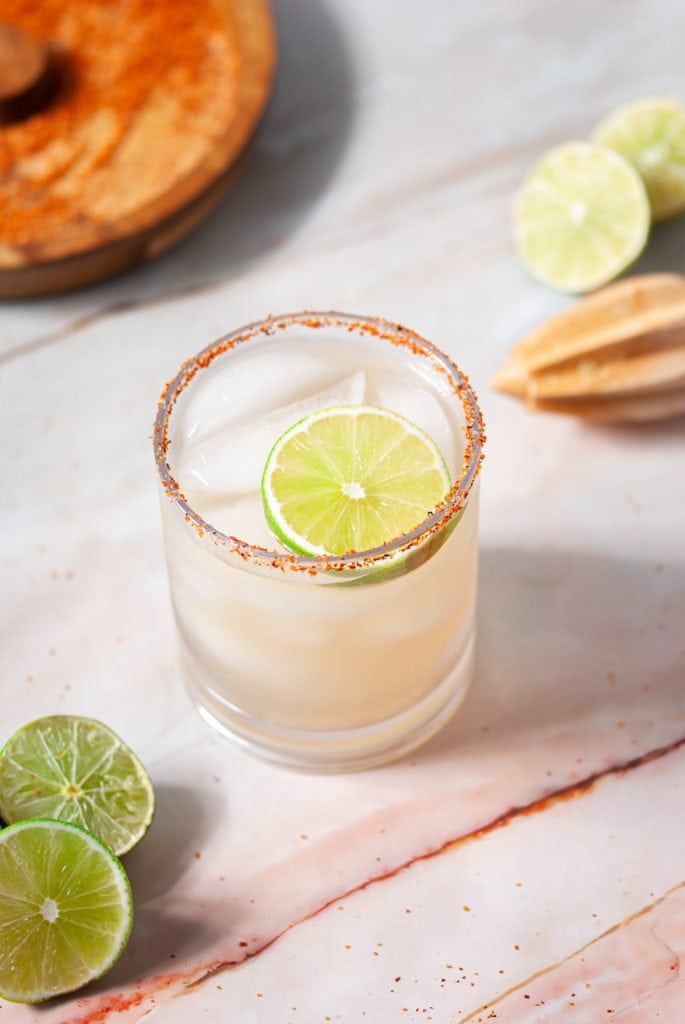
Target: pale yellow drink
(323, 663)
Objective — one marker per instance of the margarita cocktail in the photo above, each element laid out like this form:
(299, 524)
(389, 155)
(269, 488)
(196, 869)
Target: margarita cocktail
(323, 659)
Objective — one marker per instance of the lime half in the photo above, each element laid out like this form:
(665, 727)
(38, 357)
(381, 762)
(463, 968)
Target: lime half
(349, 479)
(76, 769)
(581, 217)
(65, 910)
(651, 134)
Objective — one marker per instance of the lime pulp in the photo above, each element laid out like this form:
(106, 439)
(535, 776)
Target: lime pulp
(76, 770)
(350, 479)
(650, 133)
(66, 909)
(581, 217)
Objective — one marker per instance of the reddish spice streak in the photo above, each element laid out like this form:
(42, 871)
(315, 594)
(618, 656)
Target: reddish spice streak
(534, 807)
(113, 1004)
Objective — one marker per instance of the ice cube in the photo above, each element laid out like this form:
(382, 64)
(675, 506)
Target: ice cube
(230, 463)
(420, 404)
(248, 388)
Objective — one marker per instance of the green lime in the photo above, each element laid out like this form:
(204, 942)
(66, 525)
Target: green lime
(66, 909)
(651, 134)
(349, 479)
(76, 769)
(581, 217)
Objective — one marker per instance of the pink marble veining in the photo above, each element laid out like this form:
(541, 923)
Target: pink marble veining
(631, 973)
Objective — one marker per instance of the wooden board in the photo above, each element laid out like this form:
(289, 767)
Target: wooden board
(100, 191)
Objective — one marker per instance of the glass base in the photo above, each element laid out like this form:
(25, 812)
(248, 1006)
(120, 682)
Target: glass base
(340, 750)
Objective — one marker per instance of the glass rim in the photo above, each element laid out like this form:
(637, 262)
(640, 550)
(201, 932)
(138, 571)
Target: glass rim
(452, 504)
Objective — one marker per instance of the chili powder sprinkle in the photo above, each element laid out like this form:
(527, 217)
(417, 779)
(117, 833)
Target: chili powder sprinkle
(145, 89)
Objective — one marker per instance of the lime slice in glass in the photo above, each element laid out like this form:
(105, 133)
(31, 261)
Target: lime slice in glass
(66, 909)
(651, 134)
(349, 479)
(581, 217)
(76, 769)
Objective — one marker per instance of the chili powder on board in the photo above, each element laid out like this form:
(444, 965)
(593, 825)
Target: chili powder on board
(146, 87)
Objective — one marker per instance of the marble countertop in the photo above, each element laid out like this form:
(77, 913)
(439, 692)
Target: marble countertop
(527, 865)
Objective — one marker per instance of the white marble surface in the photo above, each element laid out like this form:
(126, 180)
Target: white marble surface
(526, 866)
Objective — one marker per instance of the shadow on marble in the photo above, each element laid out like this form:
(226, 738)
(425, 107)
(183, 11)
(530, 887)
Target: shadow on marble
(656, 432)
(163, 939)
(566, 639)
(664, 252)
(178, 832)
(161, 943)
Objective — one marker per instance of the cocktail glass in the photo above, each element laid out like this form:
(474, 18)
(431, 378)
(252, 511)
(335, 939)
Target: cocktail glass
(334, 662)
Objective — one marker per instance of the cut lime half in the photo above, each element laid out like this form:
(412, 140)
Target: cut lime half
(581, 217)
(65, 910)
(651, 134)
(349, 479)
(76, 769)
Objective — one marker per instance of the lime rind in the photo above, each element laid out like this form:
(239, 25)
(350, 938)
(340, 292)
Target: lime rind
(76, 769)
(66, 912)
(650, 133)
(581, 217)
(312, 488)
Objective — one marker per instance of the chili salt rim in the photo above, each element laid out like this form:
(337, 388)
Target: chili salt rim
(454, 501)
